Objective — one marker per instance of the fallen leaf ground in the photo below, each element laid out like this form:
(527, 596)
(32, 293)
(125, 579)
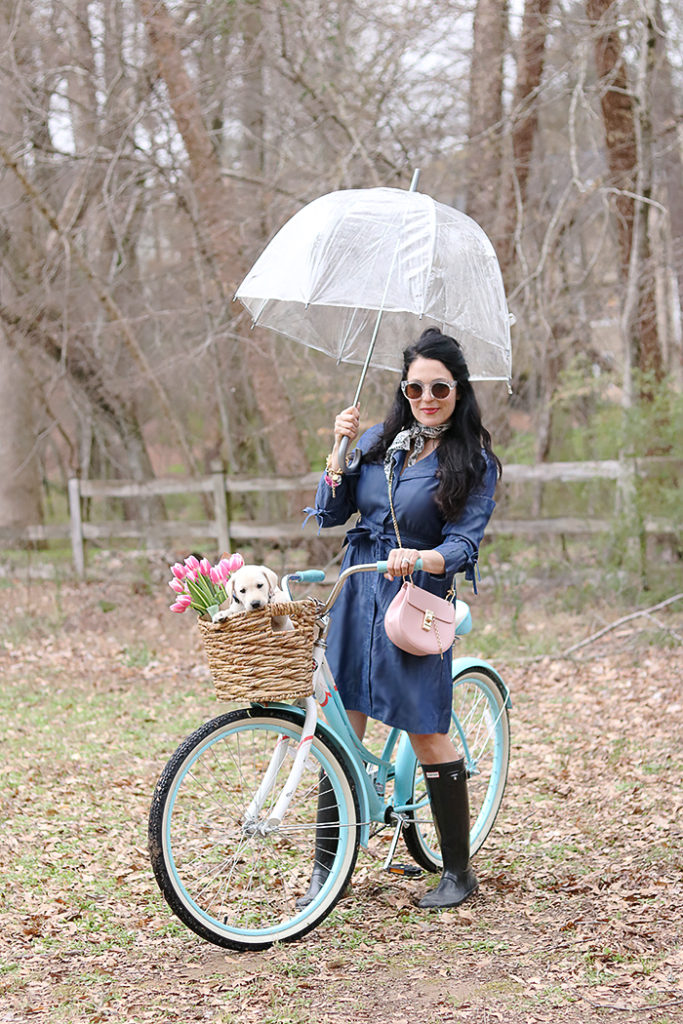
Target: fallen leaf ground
(580, 912)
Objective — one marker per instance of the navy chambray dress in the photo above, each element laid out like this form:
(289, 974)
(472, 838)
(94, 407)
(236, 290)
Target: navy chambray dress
(373, 675)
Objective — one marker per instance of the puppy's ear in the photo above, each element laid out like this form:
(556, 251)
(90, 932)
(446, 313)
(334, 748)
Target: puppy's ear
(273, 581)
(229, 589)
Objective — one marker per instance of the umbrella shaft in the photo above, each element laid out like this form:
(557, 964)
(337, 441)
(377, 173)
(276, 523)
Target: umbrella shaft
(371, 347)
(366, 364)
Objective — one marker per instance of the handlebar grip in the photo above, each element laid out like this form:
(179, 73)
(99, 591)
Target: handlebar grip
(383, 566)
(307, 576)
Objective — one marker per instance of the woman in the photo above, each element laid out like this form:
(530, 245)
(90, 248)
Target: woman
(435, 455)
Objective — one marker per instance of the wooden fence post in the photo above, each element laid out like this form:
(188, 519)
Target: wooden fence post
(625, 493)
(220, 507)
(76, 525)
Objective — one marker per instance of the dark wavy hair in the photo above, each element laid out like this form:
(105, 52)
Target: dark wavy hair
(462, 466)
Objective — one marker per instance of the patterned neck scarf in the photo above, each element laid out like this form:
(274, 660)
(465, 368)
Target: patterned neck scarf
(415, 435)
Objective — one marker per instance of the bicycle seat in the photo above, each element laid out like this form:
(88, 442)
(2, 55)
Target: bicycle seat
(463, 618)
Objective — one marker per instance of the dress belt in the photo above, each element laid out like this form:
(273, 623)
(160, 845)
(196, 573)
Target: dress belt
(377, 532)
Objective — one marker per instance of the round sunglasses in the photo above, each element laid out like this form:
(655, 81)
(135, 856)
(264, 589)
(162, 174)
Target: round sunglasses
(439, 389)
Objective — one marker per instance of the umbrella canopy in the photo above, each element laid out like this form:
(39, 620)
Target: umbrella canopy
(350, 255)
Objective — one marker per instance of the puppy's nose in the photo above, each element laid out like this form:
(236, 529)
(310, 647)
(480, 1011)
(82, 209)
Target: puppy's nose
(257, 603)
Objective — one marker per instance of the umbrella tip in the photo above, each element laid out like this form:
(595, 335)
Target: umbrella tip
(416, 178)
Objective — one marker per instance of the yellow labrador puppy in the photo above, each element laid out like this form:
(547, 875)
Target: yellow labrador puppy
(253, 587)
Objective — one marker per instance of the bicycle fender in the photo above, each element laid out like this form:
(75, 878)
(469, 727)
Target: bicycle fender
(357, 775)
(461, 665)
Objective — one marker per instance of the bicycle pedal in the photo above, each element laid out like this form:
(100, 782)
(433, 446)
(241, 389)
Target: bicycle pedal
(410, 870)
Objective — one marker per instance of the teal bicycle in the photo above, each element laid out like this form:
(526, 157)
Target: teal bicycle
(234, 816)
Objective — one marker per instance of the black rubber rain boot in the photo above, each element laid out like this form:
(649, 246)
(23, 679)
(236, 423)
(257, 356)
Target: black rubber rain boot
(326, 840)
(447, 786)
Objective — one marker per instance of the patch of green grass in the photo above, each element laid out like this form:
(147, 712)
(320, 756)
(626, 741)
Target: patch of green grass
(492, 946)
(138, 655)
(502, 987)
(57, 553)
(10, 979)
(555, 996)
(24, 626)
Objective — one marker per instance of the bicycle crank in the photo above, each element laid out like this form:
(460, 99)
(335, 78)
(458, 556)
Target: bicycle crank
(409, 870)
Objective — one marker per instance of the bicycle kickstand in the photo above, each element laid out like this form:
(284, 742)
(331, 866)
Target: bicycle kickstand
(411, 870)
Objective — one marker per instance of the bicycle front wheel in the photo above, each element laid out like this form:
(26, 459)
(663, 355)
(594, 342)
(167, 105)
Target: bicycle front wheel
(225, 869)
(480, 731)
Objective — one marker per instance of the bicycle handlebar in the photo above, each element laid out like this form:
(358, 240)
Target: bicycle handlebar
(382, 566)
(307, 576)
(317, 576)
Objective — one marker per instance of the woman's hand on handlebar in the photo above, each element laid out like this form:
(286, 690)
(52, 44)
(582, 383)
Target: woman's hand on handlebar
(346, 424)
(401, 562)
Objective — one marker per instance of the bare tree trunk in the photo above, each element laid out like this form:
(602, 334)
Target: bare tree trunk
(630, 179)
(213, 205)
(485, 149)
(667, 149)
(530, 65)
(20, 485)
(116, 419)
(20, 502)
(485, 146)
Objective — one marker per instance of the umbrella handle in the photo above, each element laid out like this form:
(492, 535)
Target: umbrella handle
(354, 458)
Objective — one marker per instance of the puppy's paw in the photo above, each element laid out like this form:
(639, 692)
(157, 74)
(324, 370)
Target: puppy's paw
(281, 623)
(221, 615)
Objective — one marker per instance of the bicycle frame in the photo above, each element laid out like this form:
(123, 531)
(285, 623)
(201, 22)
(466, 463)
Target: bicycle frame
(256, 796)
(371, 786)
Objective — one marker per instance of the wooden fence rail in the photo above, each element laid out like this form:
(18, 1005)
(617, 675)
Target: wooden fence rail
(221, 528)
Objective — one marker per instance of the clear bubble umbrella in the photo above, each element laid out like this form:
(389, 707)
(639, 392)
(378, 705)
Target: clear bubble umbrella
(354, 260)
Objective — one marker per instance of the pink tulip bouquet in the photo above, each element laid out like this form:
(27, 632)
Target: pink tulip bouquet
(198, 584)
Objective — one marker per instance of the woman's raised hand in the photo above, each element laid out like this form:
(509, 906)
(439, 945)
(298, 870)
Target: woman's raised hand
(346, 424)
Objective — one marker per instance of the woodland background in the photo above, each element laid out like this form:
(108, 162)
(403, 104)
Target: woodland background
(149, 150)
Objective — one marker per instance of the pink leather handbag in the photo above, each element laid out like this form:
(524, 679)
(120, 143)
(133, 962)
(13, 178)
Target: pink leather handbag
(420, 622)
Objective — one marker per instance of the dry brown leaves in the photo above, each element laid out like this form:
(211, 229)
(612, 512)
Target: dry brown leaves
(580, 911)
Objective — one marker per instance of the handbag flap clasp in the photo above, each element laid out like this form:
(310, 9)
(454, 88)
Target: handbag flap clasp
(440, 609)
(428, 620)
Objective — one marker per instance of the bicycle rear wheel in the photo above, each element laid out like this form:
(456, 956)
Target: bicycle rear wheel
(480, 731)
(232, 879)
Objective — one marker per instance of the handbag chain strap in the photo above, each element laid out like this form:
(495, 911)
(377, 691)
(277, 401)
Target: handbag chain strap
(393, 514)
(450, 596)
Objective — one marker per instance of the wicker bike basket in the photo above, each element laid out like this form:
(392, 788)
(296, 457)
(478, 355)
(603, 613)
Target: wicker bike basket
(249, 659)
